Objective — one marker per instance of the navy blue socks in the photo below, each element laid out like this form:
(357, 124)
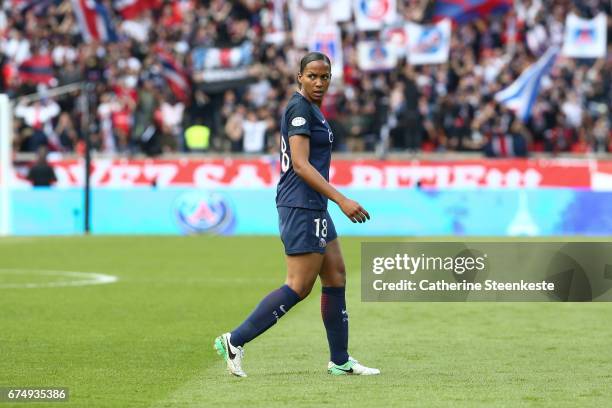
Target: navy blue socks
(335, 319)
(278, 302)
(267, 312)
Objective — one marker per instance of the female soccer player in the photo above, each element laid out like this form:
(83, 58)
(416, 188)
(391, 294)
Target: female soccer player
(307, 230)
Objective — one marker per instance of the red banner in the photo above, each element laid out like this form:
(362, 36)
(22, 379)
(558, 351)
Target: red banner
(263, 172)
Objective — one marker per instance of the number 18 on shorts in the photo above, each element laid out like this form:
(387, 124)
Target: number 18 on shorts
(304, 231)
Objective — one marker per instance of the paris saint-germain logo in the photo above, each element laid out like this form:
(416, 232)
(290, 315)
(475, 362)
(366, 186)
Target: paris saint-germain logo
(431, 40)
(374, 9)
(585, 35)
(201, 212)
(330, 135)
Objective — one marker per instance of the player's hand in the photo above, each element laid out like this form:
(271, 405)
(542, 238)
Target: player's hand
(353, 210)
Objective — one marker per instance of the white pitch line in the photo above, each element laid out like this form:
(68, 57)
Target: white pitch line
(83, 279)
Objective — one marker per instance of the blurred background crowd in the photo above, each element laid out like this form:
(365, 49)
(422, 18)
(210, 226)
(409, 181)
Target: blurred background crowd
(140, 91)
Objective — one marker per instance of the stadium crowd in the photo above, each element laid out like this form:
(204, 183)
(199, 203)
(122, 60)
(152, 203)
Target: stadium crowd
(446, 107)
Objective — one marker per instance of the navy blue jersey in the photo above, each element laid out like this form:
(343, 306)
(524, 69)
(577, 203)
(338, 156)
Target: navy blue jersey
(303, 118)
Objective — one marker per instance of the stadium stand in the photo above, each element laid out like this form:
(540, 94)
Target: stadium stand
(224, 68)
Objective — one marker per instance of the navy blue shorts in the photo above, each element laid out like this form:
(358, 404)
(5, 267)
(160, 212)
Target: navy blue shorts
(303, 231)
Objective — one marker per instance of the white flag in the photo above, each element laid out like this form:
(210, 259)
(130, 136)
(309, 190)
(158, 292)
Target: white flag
(275, 24)
(328, 41)
(306, 16)
(341, 10)
(375, 56)
(396, 36)
(585, 38)
(371, 15)
(429, 44)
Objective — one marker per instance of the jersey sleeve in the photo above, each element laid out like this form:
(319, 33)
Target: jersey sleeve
(298, 120)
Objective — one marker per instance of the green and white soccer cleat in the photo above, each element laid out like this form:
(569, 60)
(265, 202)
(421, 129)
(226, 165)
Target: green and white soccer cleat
(232, 355)
(351, 367)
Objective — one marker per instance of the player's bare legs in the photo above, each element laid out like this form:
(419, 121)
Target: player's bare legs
(334, 314)
(302, 272)
(333, 272)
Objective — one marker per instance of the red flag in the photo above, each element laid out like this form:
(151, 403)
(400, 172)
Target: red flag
(175, 75)
(464, 11)
(38, 69)
(131, 9)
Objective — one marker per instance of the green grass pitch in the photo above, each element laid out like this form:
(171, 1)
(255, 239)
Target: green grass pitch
(146, 340)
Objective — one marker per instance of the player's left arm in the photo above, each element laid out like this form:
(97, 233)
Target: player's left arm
(300, 151)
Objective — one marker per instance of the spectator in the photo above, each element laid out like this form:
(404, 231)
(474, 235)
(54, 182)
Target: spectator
(254, 133)
(234, 129)
(561, 136)
(144, 128)
(41, 174)
(171, 112)
(38, 117)
(353, 122)
(197, 138)
(601, 135)
(66, 133)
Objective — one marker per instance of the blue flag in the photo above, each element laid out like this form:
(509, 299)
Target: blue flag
(522, 93)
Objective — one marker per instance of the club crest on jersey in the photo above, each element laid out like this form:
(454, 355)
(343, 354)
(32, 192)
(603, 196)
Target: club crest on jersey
(298, 121)
(331, 136)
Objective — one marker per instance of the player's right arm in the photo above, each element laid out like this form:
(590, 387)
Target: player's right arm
(300, 151)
